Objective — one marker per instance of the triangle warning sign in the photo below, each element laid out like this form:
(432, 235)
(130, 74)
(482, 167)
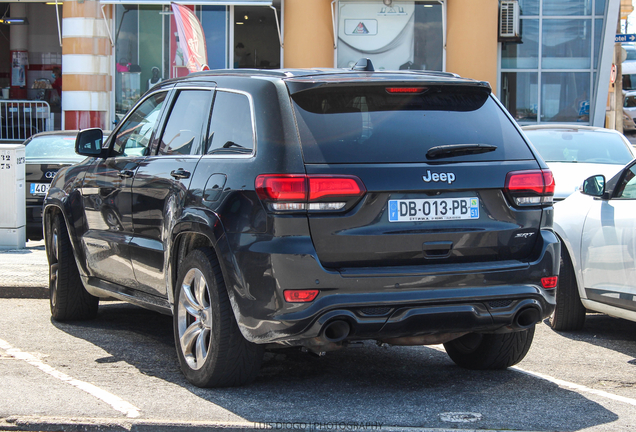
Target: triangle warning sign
(361, 29)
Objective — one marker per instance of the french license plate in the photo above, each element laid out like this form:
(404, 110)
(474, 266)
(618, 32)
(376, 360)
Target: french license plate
(40, 188)
(433, 209)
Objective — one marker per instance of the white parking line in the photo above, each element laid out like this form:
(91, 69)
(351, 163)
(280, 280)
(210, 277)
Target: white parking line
(577, 387)
(112, 400)
(561, 383)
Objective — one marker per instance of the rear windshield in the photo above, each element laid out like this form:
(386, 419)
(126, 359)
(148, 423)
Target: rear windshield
(580, 146)
(53, 147)
(370, 125)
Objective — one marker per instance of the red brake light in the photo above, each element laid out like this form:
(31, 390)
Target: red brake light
(290, 187)
(533, 187)
(402, 90)
(549, 282)
(525, 181)
(300, 296)
(300, 192)
(334, 186)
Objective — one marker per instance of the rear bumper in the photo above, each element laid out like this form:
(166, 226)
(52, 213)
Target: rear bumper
(495, 310)
(384, 303)
(34, 230)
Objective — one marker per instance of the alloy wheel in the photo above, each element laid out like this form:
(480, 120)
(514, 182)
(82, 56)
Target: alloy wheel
(54, 266)
(194, 314)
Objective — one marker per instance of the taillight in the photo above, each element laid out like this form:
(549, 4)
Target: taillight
(294, 192)
(530, 188)
(282, 188)
(549, 282)
(300, 296)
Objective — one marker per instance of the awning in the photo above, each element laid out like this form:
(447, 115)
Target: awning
(193, 2)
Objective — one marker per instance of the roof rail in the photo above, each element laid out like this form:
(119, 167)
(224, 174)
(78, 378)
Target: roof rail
(242, 71)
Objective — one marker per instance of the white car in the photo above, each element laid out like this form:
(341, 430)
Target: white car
(629, 110)
(575, 152)
(597, 229)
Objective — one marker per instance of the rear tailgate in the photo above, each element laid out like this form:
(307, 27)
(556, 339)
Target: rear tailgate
(419, 208)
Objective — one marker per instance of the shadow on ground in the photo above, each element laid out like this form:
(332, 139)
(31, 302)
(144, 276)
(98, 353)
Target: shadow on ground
(607, 332)
(400, 386)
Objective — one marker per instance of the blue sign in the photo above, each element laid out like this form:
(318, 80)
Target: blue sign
(625, 38)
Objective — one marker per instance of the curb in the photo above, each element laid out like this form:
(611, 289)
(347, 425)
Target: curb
(50, 424)
(24, 293)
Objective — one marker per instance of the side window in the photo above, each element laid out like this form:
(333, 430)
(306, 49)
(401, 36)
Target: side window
(231, 129)
(188, 118)
(627, 188)
(133, 138)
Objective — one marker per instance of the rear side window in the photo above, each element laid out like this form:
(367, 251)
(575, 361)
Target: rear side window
(187, 121)
(231, 129)
(370, 125)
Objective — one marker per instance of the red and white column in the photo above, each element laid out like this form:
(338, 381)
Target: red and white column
(86, 56)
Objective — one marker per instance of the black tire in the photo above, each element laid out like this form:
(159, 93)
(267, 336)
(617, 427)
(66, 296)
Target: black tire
(69, 299)
(211, 349)
(490, 351)
(569, 313)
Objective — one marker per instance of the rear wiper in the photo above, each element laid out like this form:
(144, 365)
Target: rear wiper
(452, 150)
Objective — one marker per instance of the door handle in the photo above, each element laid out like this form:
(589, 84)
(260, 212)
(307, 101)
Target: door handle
(180, 174)
(126, 173)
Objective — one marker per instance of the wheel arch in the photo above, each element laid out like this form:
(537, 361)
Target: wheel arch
(188, 236)
(49, 212)
(566, 247)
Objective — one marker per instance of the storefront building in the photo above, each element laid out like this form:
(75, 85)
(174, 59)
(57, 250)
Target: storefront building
(111, 51)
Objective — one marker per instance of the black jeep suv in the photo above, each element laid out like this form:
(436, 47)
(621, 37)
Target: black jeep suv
(310, 208)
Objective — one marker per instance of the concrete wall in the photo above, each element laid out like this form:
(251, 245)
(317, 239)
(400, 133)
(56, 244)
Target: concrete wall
(471, 39)
(308, 34)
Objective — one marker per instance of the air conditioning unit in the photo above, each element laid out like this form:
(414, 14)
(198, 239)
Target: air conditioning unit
(509, 26)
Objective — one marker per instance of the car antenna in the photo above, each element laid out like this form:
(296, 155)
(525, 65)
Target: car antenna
(364, 64)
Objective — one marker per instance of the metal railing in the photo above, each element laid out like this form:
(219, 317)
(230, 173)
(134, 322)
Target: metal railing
(19, 119)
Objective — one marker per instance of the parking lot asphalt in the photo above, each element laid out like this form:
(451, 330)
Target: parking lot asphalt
(24, 272)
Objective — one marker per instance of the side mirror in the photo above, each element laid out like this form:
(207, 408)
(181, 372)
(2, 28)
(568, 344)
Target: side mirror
(594, 186)
(89, 142)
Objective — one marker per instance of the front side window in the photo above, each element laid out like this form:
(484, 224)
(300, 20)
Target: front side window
(231, 129)
(188, 117)
(133, 138)
(627, 188)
